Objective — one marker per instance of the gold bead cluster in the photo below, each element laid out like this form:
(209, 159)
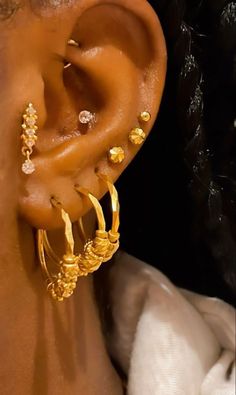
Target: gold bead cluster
(137, 136)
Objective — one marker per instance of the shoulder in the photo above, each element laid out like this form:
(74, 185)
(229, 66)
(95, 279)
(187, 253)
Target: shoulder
(159, 328)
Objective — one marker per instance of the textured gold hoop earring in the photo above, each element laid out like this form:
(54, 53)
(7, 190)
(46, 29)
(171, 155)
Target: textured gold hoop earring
(29, 138)
(61, 285)
(96, 251)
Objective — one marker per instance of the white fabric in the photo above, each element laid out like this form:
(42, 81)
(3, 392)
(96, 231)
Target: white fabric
(169, 341)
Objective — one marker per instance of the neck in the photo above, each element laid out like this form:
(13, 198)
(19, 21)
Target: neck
(51, 347)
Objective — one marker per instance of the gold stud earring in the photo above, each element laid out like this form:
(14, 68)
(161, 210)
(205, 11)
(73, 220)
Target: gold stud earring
(145, 116)
(116, 155)
(29, 138)
(137, 136)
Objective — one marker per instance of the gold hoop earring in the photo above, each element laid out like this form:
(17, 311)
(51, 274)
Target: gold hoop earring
(101, 248)
(113, 234)
(62, 284)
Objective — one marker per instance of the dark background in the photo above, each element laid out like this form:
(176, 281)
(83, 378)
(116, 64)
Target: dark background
(161, 222)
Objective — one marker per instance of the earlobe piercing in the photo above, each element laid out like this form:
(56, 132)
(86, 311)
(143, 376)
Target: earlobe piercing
(116, 155)
(29, 138)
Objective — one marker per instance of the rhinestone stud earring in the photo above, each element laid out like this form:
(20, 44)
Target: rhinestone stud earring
(29, 138)
(86, 117)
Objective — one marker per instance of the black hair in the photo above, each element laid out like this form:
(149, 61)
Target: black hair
(178, 197)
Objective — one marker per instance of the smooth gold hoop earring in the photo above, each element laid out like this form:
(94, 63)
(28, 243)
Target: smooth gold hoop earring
(144, 116)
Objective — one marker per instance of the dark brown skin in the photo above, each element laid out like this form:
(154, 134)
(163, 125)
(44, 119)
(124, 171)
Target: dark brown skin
(119, 70)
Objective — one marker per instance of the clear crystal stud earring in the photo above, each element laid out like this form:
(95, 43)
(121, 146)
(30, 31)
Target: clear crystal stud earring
(86, 117)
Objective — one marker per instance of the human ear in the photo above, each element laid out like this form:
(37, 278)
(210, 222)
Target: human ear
(117, 71)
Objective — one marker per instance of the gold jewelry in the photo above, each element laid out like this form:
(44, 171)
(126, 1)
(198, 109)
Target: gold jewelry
(105, 244)
(145, 116)
(113, 234)
(116, 155)
(137, 136)
(62, 284)
(29, 137)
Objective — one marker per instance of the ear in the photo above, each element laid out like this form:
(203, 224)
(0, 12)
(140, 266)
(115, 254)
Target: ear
(117, 71)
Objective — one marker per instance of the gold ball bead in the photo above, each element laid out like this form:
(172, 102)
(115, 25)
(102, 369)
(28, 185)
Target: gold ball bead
(137, 136)
(116, 155)
(145, 116)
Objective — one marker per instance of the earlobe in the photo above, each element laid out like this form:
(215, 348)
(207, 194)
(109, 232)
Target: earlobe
(117, 75)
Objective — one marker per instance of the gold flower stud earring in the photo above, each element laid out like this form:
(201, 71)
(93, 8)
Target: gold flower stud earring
(29, 138)
(137, 136)
(116, 155)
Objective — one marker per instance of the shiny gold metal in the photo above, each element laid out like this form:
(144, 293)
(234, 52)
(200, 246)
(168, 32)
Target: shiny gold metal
(137, 136)
(113, 234)
(96, 249)
(116, 155)
(62, 284)
(145, 116)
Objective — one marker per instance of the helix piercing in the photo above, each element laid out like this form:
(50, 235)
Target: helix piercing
(144, 116)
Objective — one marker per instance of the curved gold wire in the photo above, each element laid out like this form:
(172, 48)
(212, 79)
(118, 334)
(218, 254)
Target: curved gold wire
(42, 258)
(113, 234)
(97, 207)
(114, 202)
